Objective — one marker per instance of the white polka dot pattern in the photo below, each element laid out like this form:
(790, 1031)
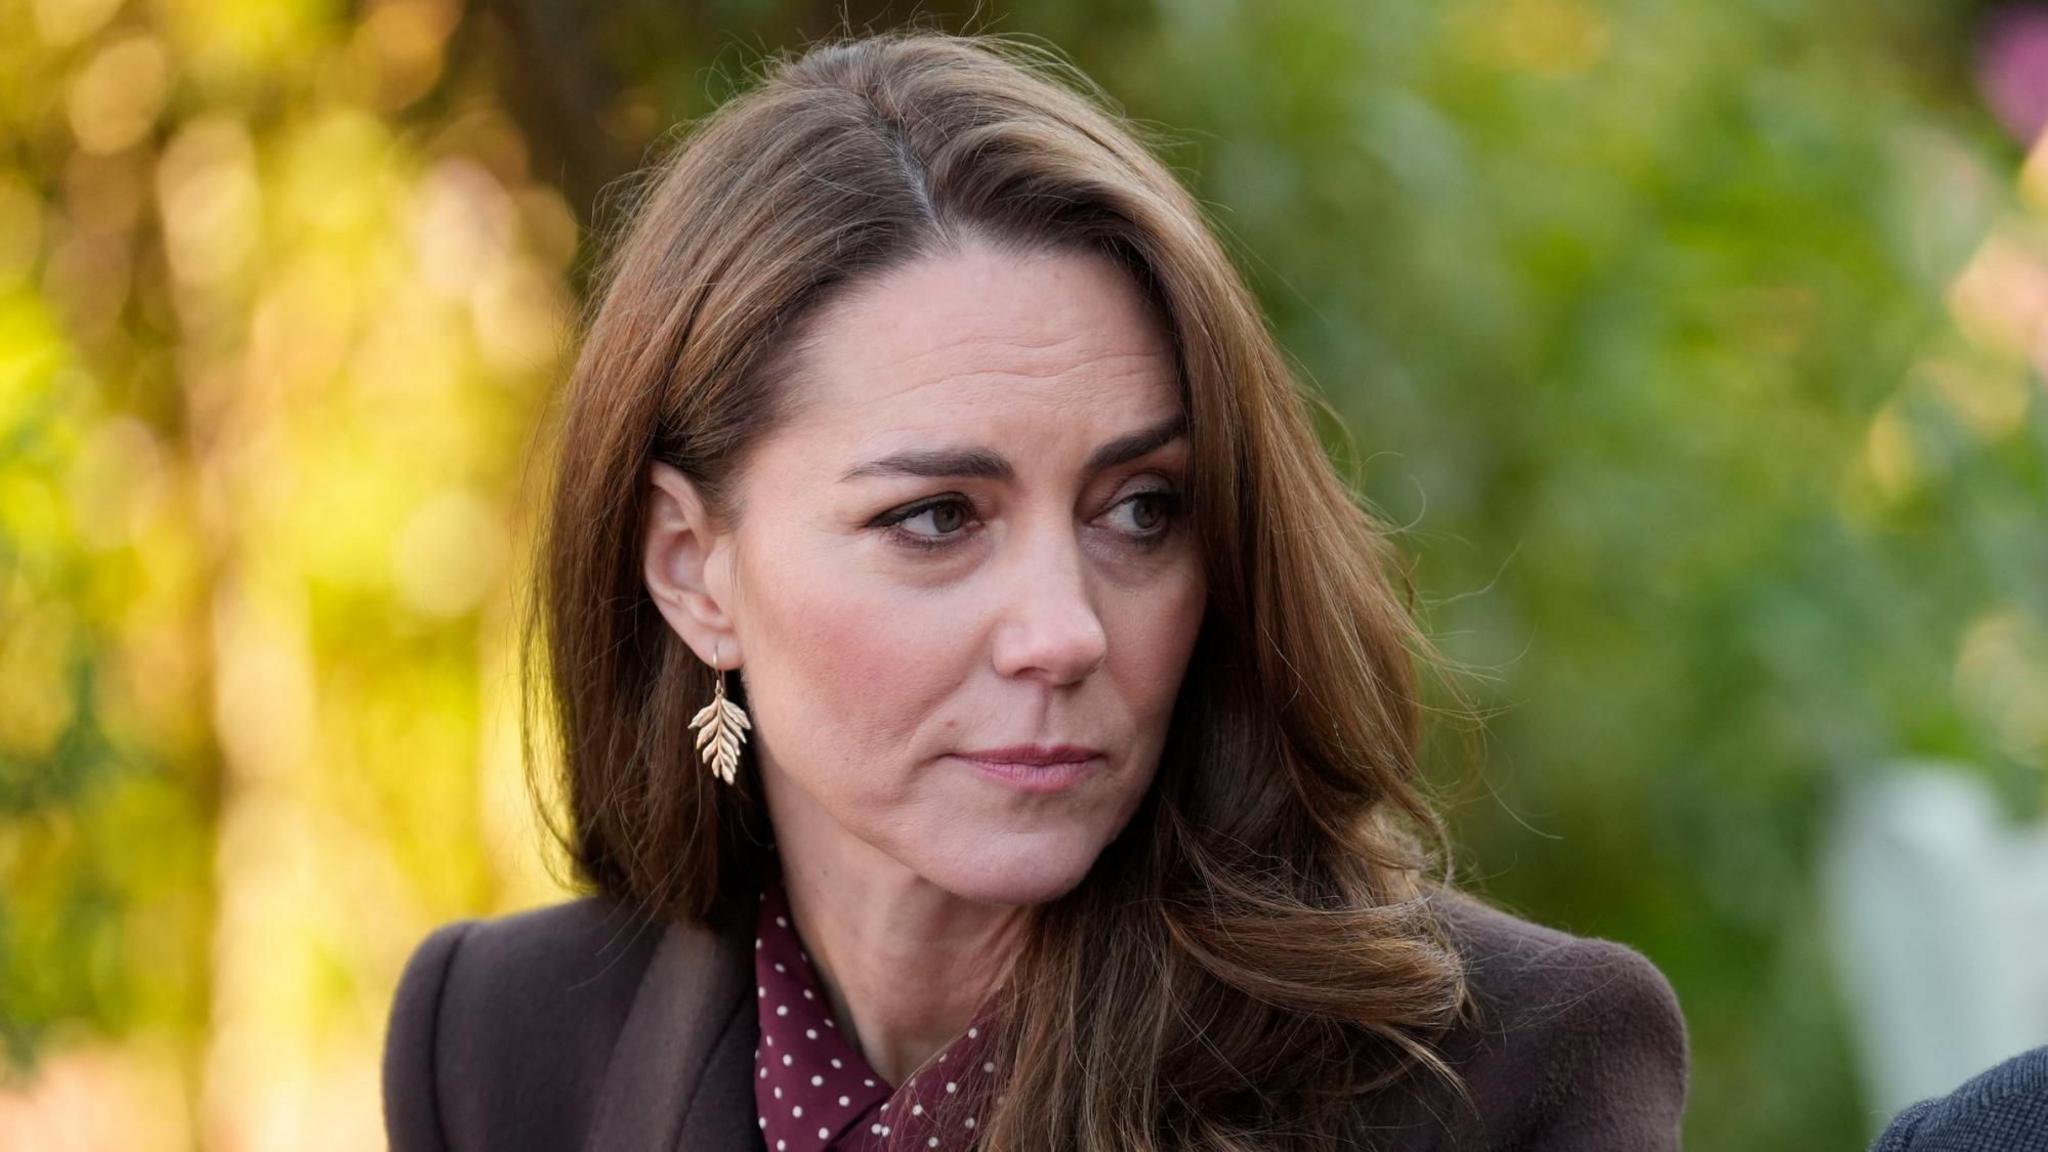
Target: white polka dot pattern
(813, 1089)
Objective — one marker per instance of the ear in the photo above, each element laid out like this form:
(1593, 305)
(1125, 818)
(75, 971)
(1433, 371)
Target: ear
(688, 567)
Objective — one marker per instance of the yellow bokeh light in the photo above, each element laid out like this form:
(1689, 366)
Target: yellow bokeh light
(1547, 37)
(336, 178)
(1889, 453)
(62, 23)
(116, 483)
(521, 318)
(2033, 183)
(115, 99)
(398, 49)
(2000, 300)
(2001, 673)
(450, 554)
(1989, 400)
(211, 200)
(21, 227)
(462, 226)
(36, 649)
(90, 1095)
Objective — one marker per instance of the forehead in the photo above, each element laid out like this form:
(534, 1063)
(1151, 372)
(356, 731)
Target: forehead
(980, 337)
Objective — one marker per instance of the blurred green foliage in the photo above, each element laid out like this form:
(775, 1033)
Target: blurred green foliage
(1694, 348)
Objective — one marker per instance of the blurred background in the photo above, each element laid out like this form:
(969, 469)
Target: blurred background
(1695, 348)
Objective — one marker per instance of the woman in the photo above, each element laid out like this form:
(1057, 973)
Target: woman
(985, 717)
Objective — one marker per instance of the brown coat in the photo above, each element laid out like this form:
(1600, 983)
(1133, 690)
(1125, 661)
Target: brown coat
(583, 1026)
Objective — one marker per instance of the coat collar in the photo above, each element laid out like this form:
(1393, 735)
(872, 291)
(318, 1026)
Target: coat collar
(680, 1077)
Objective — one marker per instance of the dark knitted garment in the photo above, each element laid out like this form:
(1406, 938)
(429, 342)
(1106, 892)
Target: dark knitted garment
(2004, 1109)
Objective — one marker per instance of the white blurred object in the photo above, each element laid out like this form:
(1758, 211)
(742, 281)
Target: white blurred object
(1938, 910)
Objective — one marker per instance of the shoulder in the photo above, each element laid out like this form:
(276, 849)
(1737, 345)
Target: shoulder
(1529, 976)
(500, 1029)
(1572, 1042)
(2005, 1106)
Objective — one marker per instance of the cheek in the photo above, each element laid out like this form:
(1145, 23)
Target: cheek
(1157, 636)
(844, 671)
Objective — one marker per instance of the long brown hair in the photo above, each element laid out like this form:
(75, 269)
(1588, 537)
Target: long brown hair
(1253, 952)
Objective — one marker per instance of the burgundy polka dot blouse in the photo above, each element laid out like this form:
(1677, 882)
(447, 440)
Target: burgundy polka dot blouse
(815, 1092)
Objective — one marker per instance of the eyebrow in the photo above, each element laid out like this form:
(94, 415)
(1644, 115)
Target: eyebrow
(983, 464)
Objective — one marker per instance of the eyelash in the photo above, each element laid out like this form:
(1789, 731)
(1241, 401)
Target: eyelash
(1168, 497)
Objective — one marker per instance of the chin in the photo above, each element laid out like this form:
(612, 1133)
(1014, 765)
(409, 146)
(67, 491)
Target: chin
(1010, 867)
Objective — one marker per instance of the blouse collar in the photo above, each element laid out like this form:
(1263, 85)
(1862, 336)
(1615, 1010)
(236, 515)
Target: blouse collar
(815, 1092)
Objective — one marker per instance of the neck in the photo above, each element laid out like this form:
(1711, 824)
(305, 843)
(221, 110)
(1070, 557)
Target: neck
(905, 964)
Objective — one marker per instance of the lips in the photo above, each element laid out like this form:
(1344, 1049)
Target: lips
(1033, 755)
(1036, 769)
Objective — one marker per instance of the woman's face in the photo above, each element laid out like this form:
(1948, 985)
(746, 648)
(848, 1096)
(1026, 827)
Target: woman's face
(969, 538)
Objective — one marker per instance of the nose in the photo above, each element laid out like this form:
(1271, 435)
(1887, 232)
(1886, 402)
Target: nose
(1050, 629)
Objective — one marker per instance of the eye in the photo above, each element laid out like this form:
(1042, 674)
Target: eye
(948, 514)
(1152, 512)
(948, 519)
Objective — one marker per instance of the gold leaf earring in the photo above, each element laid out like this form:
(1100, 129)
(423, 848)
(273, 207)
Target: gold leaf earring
(724, 727)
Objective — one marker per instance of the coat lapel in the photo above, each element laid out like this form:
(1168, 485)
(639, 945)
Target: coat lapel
(680, 1077)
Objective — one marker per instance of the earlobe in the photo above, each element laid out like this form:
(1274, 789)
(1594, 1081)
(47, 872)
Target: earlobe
(680, 547)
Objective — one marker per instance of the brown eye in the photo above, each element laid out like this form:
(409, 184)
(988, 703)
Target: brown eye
(949, 516)
(1151, 512)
